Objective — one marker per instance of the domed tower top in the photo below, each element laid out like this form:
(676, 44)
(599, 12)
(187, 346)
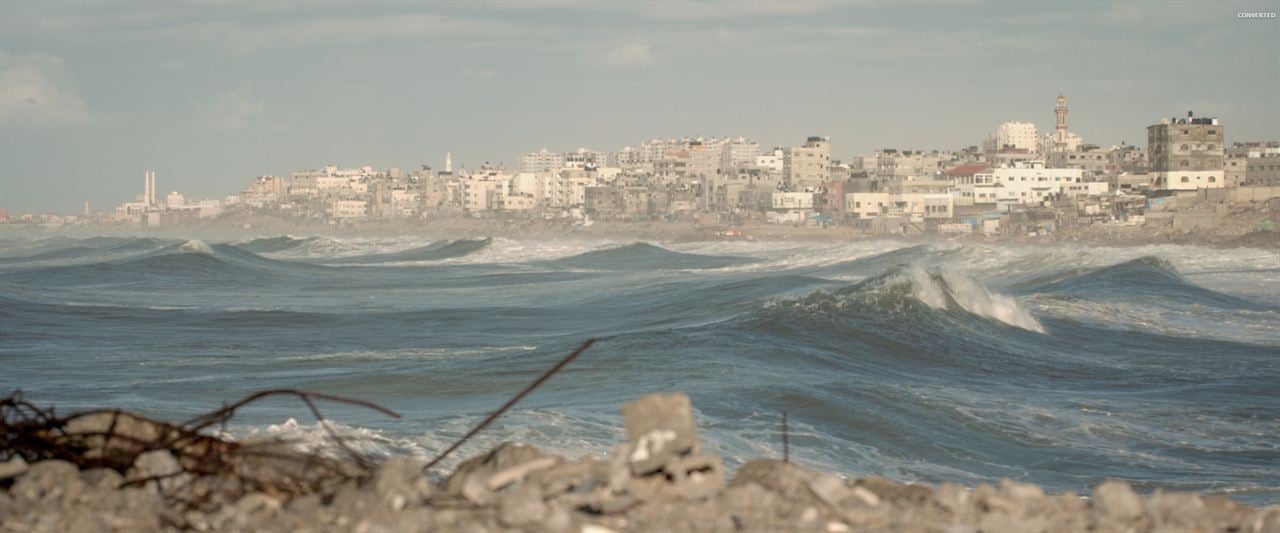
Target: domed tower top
(1062, 100)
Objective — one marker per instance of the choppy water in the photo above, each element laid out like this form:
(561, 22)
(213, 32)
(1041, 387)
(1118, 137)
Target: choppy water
(1062, 366)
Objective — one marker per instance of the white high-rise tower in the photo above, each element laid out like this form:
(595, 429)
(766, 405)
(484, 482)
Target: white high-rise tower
(149, 188)
(448, 162)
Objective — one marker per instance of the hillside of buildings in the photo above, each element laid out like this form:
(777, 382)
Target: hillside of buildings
(1187, 184)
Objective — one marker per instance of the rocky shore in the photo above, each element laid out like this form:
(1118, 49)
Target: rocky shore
(658, 480)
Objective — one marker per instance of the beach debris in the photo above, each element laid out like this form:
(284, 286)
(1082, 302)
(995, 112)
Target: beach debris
(518, 487)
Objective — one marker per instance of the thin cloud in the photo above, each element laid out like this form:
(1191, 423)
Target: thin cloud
(628, 53)
(235, 110)
(36, 88)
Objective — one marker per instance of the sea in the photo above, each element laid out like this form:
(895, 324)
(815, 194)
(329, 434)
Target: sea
(1062, 365)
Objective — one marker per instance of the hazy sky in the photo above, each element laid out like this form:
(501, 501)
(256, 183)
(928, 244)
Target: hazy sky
(210, 95)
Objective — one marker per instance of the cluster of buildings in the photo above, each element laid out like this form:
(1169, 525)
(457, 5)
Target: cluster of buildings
(1017, 179)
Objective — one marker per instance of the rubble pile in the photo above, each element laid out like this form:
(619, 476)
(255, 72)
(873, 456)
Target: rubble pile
(658, 480)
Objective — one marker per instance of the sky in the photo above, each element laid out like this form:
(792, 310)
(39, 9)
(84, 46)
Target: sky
(211, 94)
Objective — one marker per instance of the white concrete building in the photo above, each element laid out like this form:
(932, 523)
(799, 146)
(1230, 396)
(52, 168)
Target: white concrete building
(793, 200)
(772, 160)
(349, 209)
(541, 161)
(1018, 135)
(1024, 183)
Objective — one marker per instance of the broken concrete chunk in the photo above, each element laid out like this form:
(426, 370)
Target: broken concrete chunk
(659, 426)
(517, 473)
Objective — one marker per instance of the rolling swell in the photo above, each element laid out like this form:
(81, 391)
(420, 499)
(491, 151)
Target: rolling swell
(435, 251)
(644, 256)
(189, 261)
(275, 244)
(1142, 278)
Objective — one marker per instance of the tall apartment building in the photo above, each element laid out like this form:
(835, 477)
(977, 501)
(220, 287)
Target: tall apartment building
(807, 166)
(738, 152)
(1186, 154)
(583, 158)
(1016, 135)
(541, 161)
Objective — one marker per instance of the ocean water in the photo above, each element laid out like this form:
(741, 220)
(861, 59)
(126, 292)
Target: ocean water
(1061, 365)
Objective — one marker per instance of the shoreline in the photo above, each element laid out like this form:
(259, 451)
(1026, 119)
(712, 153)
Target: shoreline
(659, 479)
(241, 227)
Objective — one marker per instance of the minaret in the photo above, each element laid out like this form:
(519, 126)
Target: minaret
(146, 187)
(1060, 136)
(448, 162)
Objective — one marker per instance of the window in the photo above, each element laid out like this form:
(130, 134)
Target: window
(1184, 179)
(1213, 179)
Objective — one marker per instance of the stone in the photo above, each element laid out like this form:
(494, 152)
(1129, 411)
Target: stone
(830, 489)
(505, 456)
(1024, 493)
(865, 496)
(517, 473)
(1115, 499)
(134, 429)
(578, 476)
(522, 506)
(474, 490)
(101, 479)
(13, 468)
(659, 427)
(695, 477)
(901, 494)
(787, 479)
(159, 463)
(619, 468)
(1176, 510)
(399, 482)
(48, 481)
(558, 519)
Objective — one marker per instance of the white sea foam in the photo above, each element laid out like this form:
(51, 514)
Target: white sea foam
(196, 246)
(970, 295)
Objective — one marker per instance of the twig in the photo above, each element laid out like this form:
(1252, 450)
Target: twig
(510, 403)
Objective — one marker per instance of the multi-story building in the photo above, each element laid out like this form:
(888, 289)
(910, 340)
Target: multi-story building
(1017, 135)
(1025, 183)
(738, 152)
(583, 158)
(807, 166)
(1089, 158)
(1263, 171)
(627, 157)
(773, 161)
(541, 161)
(1186, 154)
(1260, 162)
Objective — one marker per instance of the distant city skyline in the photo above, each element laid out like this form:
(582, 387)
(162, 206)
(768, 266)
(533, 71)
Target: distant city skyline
(210, 95)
